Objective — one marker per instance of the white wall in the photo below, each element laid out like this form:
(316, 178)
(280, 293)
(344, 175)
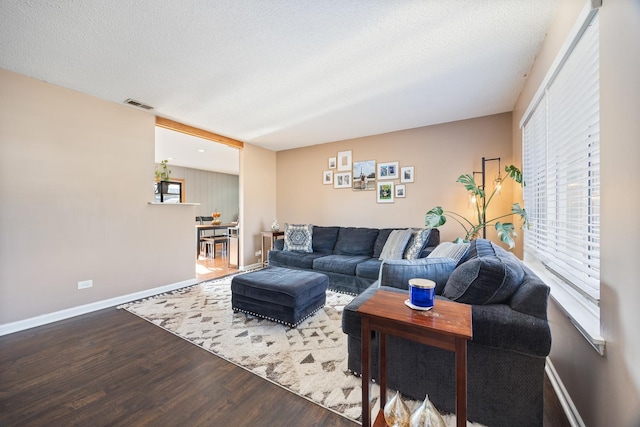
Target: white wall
(605, 390)
(76, 176)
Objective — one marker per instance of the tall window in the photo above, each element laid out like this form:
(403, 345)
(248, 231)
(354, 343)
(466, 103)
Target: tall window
(561, 167)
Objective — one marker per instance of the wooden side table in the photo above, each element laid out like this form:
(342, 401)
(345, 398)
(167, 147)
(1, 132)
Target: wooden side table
(268, 240)
(447, 325)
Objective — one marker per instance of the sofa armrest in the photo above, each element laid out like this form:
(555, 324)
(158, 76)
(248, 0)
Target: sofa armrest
(499, 326)
(396, 273)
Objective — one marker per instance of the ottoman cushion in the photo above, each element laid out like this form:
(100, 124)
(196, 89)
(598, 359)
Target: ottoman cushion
(281, 294)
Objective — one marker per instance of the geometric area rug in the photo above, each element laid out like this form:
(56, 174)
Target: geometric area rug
(310, 360)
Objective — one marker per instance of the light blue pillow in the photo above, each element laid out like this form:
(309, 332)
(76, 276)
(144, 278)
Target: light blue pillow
(298, 237)
(456, 251)
(395, 244)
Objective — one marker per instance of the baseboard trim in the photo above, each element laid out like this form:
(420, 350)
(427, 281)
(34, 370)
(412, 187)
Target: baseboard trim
(251, 267)
(565, 400)
(21, 325)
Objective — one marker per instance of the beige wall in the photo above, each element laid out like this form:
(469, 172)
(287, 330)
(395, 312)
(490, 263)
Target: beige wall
(605, 390)
(76, 176)
(439, 154)
(257, 199)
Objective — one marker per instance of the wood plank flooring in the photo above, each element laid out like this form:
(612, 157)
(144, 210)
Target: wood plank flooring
(112, 368)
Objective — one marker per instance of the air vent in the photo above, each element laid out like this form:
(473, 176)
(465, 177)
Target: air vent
(138, 104)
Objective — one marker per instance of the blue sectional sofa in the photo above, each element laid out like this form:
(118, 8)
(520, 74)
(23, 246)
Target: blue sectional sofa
(347, 255)
(511, 336)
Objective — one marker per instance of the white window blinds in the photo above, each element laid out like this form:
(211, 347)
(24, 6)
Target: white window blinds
(561, 167)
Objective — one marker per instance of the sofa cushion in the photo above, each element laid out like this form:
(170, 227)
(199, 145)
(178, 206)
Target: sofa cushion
(355, 241)
(383, 235)
(369, 269)
(450, 250)
(298, 237)
(479, 248)
(485, 280)
(395, 245)
(417, 242)
(324, 239)
(301, 260)
(342, 264)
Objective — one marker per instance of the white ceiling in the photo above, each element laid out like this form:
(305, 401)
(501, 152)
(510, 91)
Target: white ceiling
(284, 73)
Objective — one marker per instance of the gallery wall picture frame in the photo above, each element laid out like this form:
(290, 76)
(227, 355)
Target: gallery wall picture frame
(332, 162)
(388, 170)
(344, 160)
(342, 180)
(327, 177)
(384, 191)
(406, 174)
(400, 191)
(364, 175)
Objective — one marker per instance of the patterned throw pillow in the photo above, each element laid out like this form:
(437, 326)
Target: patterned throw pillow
(417, 242)
(395, 244)
(450, 250)
(298, 237)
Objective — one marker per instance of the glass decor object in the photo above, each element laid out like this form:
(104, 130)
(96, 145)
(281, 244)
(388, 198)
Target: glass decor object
(426, 415)
(396, 412)
(275, 226)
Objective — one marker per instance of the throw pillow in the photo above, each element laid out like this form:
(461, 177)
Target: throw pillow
(450, 250)
(395, 244)
(298, 237)
(417, 242)
(484, 280)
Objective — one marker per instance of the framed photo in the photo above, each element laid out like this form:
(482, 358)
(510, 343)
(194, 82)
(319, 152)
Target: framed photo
(400, 191)
(406, 174)
(388, 170)
(344, 161)
(332, 162)
(327, 177)
(342, 180)
(364, 175)
(384, 191)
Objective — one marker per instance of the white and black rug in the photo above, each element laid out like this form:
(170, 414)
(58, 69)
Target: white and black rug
(310, 360)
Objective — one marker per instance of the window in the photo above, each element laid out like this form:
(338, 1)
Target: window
(561, 168)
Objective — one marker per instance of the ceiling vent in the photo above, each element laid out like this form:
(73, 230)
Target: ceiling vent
(138, 104)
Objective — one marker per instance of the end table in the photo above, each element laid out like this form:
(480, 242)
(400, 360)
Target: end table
(269, 237)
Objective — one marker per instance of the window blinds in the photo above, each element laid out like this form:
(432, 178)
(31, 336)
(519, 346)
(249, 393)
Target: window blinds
(561, 167)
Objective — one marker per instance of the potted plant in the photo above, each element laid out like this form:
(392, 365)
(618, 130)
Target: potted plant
(437, 217)
(163, 173)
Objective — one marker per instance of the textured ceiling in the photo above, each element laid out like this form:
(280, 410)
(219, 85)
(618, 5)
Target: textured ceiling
(284, 73)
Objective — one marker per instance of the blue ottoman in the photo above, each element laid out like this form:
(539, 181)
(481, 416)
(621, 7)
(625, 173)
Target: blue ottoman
(279, 294)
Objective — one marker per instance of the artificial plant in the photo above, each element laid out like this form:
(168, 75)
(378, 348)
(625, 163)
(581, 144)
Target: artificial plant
(437, 217)
(163, 173)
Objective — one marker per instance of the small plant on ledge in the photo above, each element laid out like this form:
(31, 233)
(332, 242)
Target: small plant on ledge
(437, 217)
(163, 173)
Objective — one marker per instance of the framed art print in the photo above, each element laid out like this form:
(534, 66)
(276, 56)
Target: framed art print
(332, 162)
(400, 191)
(406, 174)
(388, 170)
(384, 191)
(364, 175)
(342, 180)
(327, 177)
(344, 161)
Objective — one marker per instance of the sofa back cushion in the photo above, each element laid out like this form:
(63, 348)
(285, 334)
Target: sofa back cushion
(324, 239)
(489, 279)
(355, 241)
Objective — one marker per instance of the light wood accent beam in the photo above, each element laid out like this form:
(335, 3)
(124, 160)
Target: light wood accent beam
(190, 130)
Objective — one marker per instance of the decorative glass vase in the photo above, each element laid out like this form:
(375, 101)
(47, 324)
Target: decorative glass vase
(426, 415)
(275, 226)
(396, 412)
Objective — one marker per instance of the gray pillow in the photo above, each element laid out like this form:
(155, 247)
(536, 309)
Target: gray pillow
(297, 237)
(484, 280)
(450, 250)
(395, 244)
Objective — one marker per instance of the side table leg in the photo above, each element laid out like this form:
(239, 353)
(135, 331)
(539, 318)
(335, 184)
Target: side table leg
(366, 366)
(461, 383)
(382, 368)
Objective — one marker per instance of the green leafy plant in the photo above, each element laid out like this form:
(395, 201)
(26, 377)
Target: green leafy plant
(163, 173)
(437, 217)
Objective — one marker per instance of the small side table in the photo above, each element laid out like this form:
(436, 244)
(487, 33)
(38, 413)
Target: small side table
(447, 325)
(268, 240)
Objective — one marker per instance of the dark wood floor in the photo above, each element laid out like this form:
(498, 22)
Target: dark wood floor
(113, 368)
